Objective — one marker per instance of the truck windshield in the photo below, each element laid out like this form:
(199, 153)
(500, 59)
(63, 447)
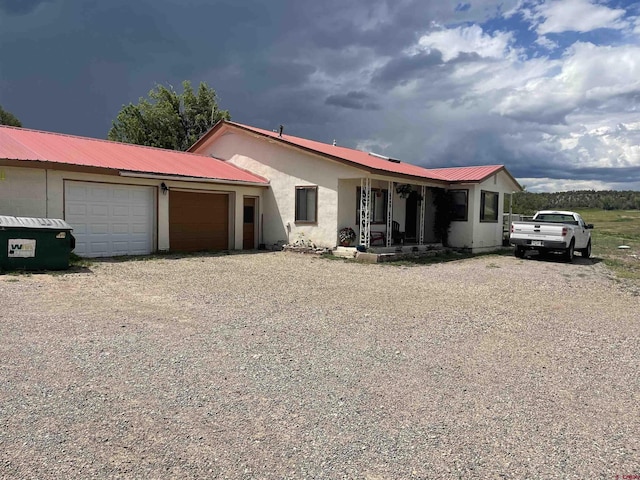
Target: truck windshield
(557, 218)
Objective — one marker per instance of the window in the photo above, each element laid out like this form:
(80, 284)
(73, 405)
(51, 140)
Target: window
(306, 204)
(249, 214)
(377, 206)
(459, 204)
(489, 206)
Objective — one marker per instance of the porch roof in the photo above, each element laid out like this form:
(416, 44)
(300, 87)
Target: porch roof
(370, 162)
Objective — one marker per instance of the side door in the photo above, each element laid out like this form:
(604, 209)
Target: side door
(581, 232)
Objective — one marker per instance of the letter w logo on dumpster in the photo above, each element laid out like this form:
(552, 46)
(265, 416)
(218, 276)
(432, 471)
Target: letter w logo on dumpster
(22, 248)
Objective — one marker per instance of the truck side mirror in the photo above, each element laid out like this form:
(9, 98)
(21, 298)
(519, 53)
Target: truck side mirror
(590, 226)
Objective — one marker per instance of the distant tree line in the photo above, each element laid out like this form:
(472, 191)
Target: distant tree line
(527, 203)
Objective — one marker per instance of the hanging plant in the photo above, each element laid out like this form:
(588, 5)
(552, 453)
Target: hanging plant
(403, 190)
(346, 235)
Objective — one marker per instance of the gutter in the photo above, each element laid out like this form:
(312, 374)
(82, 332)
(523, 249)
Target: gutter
(179, 178)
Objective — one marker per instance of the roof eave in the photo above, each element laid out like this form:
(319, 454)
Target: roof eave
(184, 178)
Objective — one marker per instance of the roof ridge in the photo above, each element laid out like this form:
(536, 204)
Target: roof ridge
(249, 127)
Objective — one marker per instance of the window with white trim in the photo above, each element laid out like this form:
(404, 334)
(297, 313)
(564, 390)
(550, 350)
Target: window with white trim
(459, 205)
(306, 204)
(489, 206)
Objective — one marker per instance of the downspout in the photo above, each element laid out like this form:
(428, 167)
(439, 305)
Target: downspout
(46, 193)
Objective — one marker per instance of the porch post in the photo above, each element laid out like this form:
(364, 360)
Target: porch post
(389, 213)
(423, 193)
(365, 220)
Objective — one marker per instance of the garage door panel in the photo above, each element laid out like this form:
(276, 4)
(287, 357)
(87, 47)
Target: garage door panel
(198, 221)
(122, 195)
(110, 219)
(98, 248)
(79, 229)
(97, 194)
(119, 228)
(75, 209)
(99, 210)
(120, 211)
(139, 212)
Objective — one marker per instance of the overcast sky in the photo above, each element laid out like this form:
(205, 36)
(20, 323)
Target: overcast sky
(549, 88)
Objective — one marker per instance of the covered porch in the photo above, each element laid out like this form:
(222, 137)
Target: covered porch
(386, 214)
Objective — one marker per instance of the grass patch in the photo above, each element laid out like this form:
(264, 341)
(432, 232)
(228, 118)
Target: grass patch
(80, 262)
(613, 228)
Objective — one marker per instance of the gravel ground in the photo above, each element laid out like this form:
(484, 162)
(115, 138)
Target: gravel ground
(281, 365)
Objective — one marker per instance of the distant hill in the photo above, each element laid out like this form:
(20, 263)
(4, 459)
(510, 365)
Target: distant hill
(527, 203)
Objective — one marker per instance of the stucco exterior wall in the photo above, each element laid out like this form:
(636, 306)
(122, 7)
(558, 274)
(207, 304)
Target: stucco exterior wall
(286, 169)
(461, 232)
(35, 192)
(23, 192)
(475, 234)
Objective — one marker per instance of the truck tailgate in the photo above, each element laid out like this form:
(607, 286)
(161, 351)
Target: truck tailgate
(542, 231)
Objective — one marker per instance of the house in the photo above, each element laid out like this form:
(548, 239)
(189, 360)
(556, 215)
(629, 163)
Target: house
(315, 189)
(239, 187)
(128, 199)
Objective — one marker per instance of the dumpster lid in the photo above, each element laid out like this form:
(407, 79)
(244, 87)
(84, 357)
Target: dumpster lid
(33, 222)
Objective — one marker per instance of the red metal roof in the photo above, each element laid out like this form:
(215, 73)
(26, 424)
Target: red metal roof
(365, 159)
(467, 174)
(32, 145)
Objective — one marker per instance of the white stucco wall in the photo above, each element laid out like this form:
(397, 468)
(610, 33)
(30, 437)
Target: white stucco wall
(474, 234)
(23, 192)
(461, 232)
(31, 192)
(287, 168)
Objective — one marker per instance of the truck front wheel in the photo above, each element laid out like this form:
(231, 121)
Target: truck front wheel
(586, 252)
(568, 254)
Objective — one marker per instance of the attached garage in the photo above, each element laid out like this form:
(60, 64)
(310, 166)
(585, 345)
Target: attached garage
(110, 219)
(125, 199)
(198, 221)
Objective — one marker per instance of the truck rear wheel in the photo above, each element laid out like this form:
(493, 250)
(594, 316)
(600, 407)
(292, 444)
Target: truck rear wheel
(568, 254)
(519, 252)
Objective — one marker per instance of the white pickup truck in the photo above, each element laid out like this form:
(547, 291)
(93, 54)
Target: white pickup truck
(552, 231)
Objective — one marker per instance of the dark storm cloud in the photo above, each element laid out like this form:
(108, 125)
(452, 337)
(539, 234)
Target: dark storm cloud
(384, 26)
(106, 54)
(19, 7)
(354, 100)
(74, 70)
(562, 171)
(400, 70)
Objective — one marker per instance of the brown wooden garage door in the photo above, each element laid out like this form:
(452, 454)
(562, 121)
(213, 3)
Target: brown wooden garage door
(198, 221)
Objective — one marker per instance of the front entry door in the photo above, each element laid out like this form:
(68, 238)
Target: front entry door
(410, 225)
(248, 227)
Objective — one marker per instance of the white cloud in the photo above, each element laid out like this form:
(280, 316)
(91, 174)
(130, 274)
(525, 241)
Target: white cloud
(590, 77)
(454, 41)
(547, 43)
(557, 16)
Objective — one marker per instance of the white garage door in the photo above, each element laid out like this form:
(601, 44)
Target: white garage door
(109, 219)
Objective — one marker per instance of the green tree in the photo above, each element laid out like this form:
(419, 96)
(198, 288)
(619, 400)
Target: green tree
(7, 118)
(168, 119)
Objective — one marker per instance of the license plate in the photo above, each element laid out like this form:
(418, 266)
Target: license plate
(537, 243)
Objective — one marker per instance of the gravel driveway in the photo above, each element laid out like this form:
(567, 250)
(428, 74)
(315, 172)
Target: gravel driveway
(280, 365)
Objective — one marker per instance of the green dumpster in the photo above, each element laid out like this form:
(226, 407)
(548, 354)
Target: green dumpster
(35, 243)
